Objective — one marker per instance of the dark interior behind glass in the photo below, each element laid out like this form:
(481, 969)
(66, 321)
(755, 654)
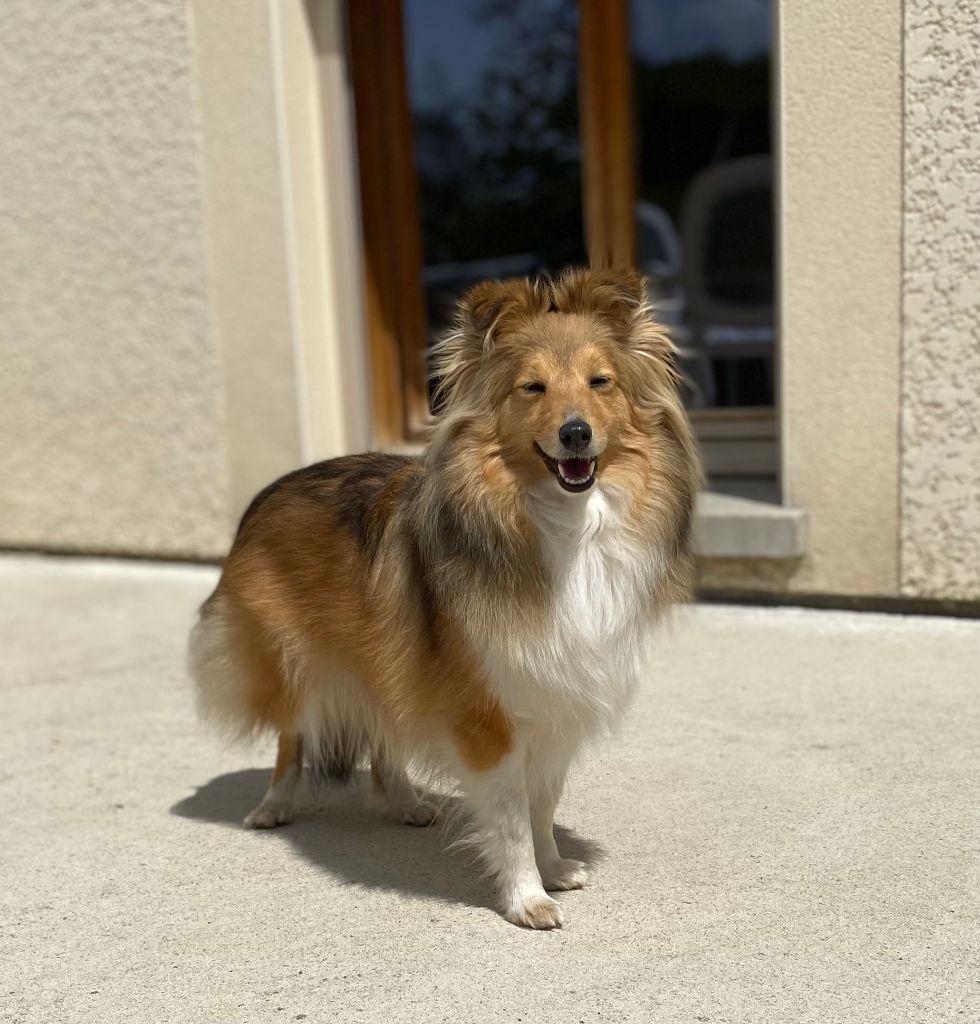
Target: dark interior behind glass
(493, 93)
(704, 188)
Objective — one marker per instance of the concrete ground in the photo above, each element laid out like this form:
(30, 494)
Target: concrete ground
(787, 830)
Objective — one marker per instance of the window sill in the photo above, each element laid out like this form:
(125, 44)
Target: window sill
(730, 527)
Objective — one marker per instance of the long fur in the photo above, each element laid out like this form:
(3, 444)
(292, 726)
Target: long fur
(460, 610)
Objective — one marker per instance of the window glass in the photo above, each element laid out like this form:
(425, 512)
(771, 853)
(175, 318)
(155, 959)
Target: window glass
(494, 99)
(704, 188)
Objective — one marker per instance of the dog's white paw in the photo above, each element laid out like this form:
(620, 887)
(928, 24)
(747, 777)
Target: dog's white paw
(540, 912)
(269, 814)
(411, 812)
(421, 814)
(564, 874)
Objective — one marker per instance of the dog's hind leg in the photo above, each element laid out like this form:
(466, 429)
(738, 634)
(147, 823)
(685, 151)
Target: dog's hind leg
(276, 807)
(392, 789)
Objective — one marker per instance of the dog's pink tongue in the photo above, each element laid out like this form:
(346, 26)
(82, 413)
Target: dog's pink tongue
(575, 469)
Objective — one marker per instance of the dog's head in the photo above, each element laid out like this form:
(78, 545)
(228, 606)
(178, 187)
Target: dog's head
(572, 376)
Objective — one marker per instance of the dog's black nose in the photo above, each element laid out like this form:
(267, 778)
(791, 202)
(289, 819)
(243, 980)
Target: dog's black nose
(575, 435)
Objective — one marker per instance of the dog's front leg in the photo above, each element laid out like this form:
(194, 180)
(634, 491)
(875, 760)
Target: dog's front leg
(500, 808)
(546, 780)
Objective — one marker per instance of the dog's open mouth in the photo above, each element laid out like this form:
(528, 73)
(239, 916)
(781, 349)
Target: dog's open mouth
(575, 475)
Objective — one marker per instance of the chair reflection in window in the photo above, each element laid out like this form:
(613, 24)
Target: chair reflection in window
(714, 286)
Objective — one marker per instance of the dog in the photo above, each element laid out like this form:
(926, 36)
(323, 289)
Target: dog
(483, 609)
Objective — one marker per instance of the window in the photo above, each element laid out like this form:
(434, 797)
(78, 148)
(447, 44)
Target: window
(509, 137)
(704, 187)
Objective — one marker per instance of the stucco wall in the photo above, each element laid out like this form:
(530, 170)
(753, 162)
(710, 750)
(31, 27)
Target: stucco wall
(180, 312)
(110, 410)
(940, 535)
(840, 226)
(283, 230)
(252, 299)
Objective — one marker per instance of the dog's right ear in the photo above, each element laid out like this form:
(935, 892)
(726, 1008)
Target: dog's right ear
(484, 315)
(488, 309)
(480, 308)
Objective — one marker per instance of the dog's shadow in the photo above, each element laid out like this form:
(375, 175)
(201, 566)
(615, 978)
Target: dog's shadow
(338, 833)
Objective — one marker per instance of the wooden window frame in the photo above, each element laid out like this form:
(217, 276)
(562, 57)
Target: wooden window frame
(394, 308)
(605, 91)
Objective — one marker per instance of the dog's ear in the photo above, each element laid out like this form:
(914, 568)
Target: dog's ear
(487, 310)
(618, 295)
(484, 315)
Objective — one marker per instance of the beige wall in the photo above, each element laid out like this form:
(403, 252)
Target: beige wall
(282, 224)
(111, 424)
(880, 346)
(841, 222)
(180, 315)
(940, 537)
(247, 233)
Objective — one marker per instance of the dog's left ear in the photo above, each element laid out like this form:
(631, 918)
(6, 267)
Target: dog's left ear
(625, 288)
(617, 295)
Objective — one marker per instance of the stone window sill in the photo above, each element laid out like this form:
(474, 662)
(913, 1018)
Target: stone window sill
(730, 527)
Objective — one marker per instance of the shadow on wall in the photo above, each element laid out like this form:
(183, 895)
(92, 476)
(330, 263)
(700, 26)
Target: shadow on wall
(336, 832)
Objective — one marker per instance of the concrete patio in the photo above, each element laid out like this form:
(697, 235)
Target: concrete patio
(787, 830)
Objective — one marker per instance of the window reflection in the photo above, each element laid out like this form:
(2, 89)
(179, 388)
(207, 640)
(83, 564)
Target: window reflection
(493, 92)
(704, 184)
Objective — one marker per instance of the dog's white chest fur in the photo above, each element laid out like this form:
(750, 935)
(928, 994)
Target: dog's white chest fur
(582, 668)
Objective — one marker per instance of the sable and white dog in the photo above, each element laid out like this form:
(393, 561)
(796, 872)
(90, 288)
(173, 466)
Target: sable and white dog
(482, 609)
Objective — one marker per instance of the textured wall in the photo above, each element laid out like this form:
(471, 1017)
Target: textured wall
(253, 300)
(110, 423)
(940, 536)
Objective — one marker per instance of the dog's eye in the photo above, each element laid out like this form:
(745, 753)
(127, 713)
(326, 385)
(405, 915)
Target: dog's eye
(533, 387)
(598, 382)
